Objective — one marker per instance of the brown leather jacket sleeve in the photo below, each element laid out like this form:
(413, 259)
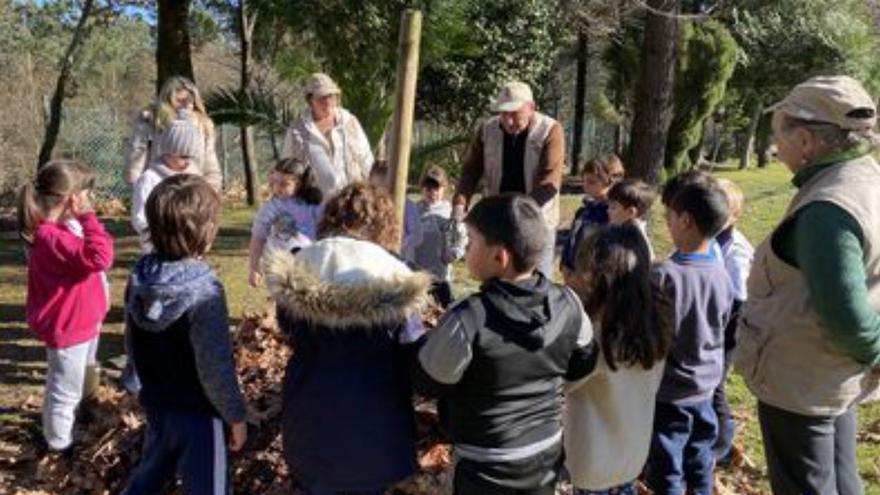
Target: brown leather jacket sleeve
(548, 177)
(471, 170)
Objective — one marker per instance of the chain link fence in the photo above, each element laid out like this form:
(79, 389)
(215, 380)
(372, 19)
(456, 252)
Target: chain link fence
(99, 137)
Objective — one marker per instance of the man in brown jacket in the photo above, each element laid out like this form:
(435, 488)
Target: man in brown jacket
(519, 150)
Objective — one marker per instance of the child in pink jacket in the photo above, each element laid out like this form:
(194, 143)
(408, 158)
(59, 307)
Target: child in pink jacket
(66, 298)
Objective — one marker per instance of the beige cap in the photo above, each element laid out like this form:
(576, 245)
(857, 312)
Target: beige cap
(838, 100)
(436, 175)
(512, 97)
(320, 84)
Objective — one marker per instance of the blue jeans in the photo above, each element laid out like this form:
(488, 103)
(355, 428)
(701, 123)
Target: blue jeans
(681, 457)
(625, 489)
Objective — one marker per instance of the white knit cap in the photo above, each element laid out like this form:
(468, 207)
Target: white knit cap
(183, 137)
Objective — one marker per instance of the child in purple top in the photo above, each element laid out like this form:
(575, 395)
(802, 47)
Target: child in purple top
(290, 220)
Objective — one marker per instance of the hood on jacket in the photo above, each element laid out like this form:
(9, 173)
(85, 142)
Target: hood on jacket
(345, 283)
(524, 308)
(161, 291)
(442, 208)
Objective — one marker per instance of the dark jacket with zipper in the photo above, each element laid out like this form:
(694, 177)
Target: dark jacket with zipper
(498, 361)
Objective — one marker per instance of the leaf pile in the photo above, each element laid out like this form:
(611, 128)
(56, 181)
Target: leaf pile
(110, 431)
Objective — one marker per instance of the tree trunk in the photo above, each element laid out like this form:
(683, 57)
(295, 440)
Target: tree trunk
(580, 92)
(745, 145)
(246, 31)
(696, 153)
(53, 122)
(763, 139)
(653, 108)
(172, 44)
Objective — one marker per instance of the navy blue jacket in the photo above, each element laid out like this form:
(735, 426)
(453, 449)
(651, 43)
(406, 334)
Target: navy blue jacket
(348, 422)
(177, 332)
(587, 219)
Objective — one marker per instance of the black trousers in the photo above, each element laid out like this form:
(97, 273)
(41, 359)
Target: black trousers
(535, 475)
(810, 455)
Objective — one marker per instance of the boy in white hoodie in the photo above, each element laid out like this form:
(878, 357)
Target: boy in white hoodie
(443, 235)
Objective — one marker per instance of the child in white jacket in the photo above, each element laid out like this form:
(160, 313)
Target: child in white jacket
(180, 145)
(609, 415)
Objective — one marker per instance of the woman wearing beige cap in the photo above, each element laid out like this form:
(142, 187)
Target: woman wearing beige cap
(177, 94)
(808, 343)
(329, 138)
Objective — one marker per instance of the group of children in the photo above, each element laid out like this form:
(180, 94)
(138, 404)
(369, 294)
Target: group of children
(615, 375)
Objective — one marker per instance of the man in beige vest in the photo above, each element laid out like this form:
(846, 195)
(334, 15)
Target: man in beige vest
(808, 342)
(520, 150)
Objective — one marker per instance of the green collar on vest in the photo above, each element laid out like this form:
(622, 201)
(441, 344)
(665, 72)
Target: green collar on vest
(826, 161)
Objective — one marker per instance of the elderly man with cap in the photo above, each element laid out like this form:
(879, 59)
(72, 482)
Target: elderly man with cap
(808, 343)
(329, 138)
(519, 150)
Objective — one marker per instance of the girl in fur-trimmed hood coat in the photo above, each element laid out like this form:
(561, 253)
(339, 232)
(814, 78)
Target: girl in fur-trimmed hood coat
(351, 309)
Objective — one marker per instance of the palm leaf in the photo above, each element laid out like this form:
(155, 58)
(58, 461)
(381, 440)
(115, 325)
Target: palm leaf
(254, 107)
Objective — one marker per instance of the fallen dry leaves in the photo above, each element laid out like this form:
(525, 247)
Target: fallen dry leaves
(109, 439)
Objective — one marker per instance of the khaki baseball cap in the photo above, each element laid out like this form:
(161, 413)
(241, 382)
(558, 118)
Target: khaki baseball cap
(512, 97)
(320, 84)
(838, 100)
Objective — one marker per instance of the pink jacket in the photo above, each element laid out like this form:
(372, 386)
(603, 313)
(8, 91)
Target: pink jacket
(66, 301)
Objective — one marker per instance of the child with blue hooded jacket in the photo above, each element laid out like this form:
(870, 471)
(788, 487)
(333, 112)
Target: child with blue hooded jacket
(177, 334)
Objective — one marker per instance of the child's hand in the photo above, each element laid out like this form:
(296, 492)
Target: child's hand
(238, 436)
(81, 202)
(255, 279)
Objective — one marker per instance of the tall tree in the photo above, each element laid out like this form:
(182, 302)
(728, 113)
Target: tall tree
(173, 57)
(706, 58)
(53, 122)
(653, 109)
(580, 96)
(787, 41)
(246, 23)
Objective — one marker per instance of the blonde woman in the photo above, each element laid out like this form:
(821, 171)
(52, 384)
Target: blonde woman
(329, 138)
(178, 93)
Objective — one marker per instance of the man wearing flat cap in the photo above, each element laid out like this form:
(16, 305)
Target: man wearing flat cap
(519, 150)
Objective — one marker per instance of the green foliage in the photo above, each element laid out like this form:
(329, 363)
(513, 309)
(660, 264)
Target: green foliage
(355, 42)
(604, 110)
(622, 59)
(257, 107)
(784, 42)
(705, 62)
(507, 39)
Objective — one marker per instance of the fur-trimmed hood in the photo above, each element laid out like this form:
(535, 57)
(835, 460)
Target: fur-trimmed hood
(341, 282)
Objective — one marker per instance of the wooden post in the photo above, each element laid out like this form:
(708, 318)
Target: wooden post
(404, 107)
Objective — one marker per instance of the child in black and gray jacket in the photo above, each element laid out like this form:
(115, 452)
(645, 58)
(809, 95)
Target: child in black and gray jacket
(499, 358)
(177, 333)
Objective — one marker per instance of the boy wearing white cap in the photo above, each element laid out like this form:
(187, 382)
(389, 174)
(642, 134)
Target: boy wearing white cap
(519, 150)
